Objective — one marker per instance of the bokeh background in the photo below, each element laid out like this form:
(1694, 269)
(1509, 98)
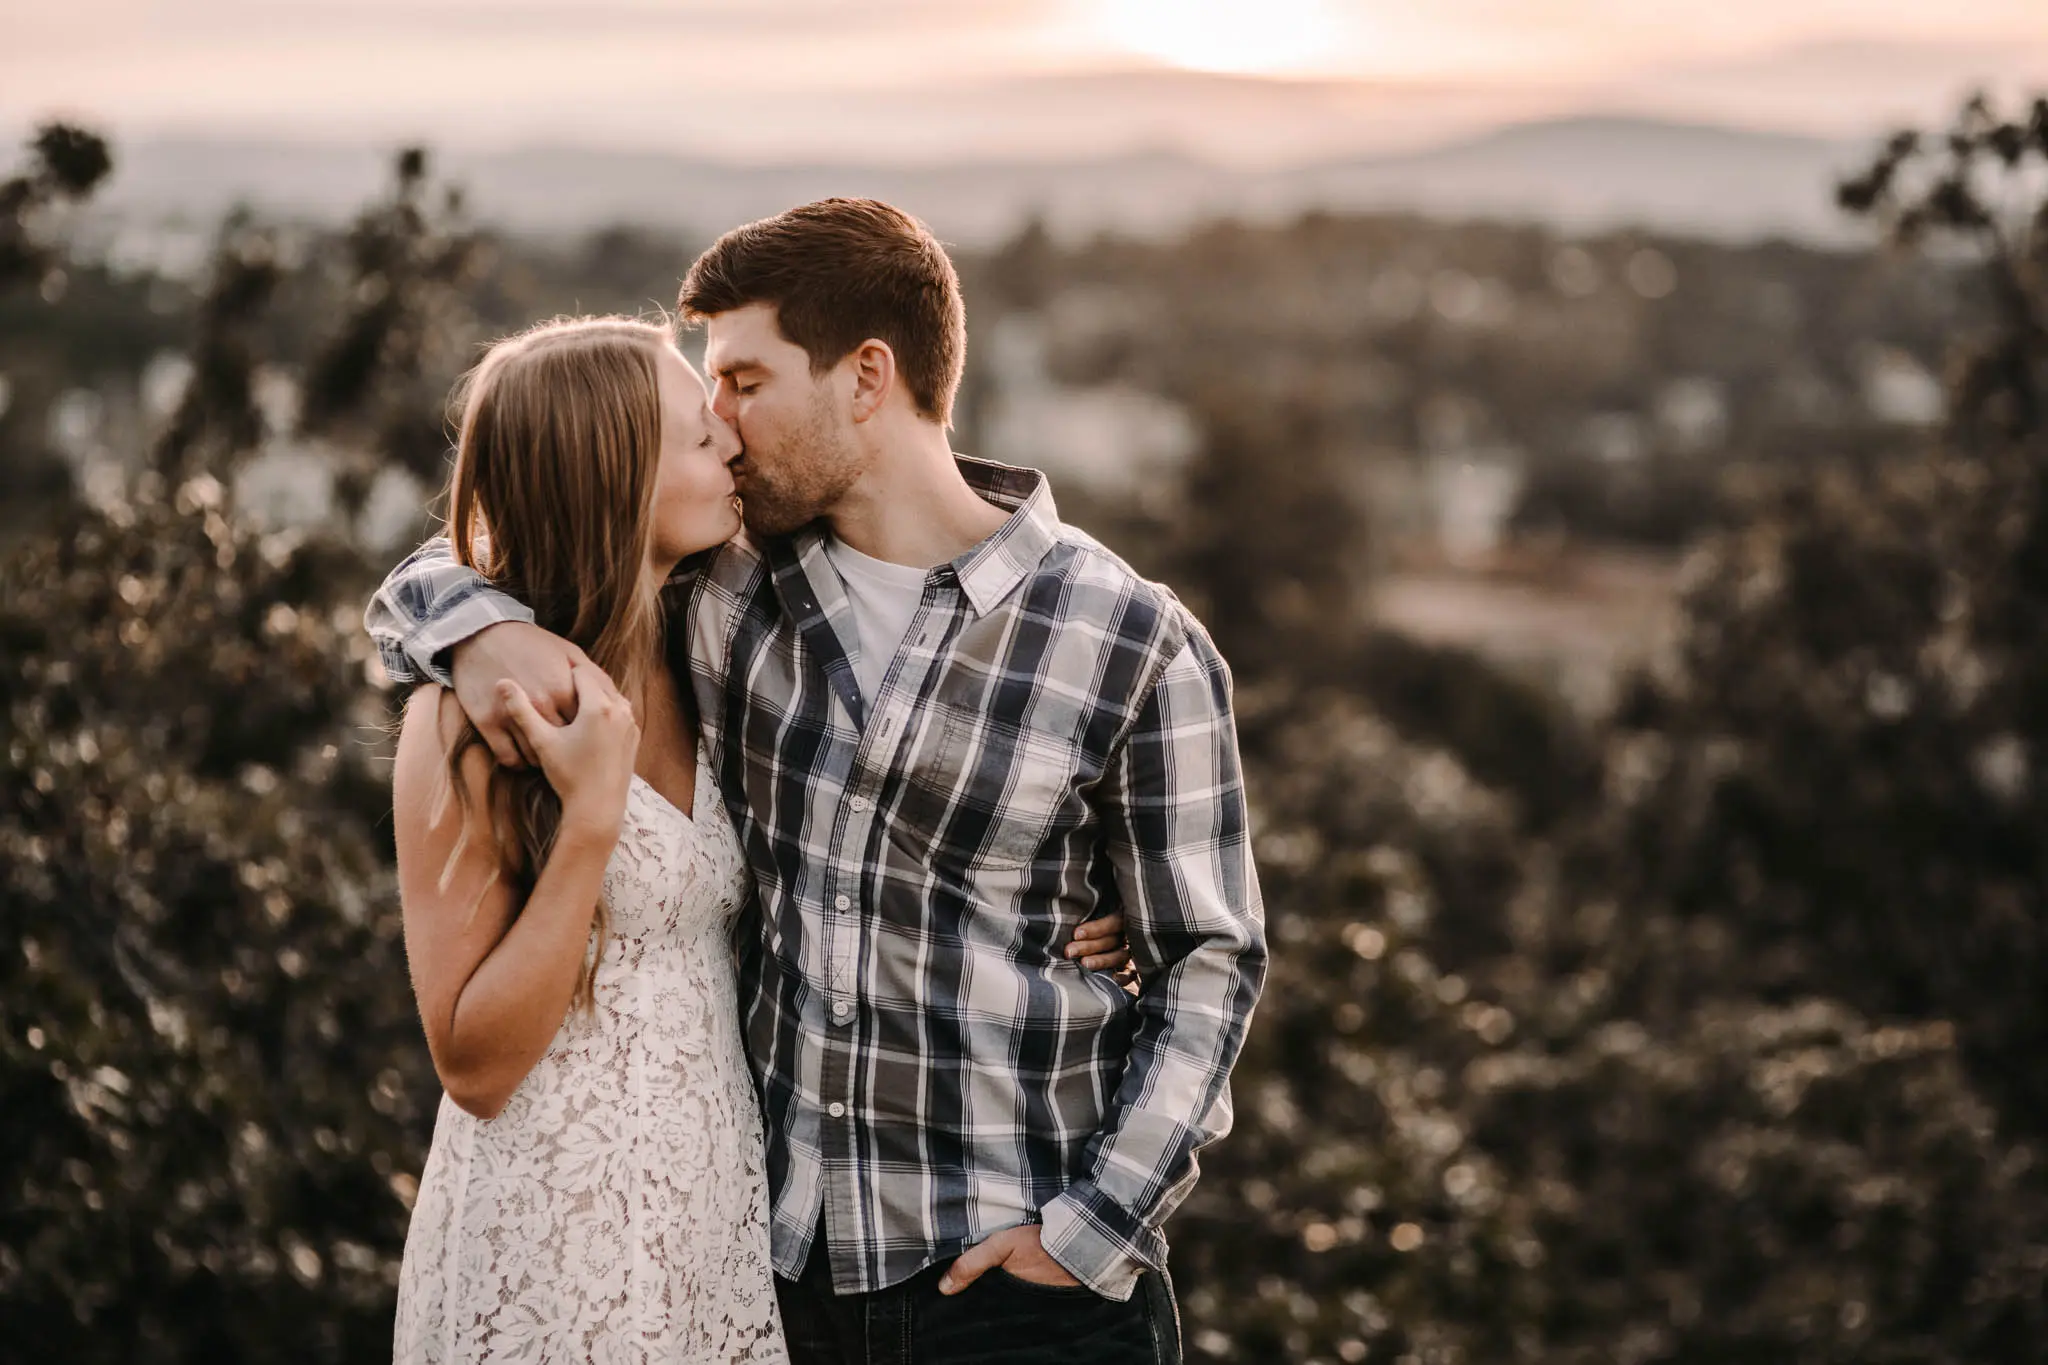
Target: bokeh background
(1613, 458)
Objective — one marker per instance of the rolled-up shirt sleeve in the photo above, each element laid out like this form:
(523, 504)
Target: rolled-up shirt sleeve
(428, 605)
(1173, 808)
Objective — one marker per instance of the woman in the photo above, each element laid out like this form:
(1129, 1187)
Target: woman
(595, 1189)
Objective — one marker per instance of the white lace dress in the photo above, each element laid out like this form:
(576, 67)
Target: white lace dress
(617, 1209)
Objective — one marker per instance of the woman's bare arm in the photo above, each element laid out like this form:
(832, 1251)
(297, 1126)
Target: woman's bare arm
(492, 989)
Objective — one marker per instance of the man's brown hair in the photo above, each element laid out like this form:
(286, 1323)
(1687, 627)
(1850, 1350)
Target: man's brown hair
(837, 273)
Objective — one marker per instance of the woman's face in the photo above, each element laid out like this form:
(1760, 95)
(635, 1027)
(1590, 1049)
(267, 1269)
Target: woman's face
(693, 489)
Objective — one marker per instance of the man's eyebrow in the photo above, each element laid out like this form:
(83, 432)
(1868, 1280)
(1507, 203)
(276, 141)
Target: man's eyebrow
(733, 367)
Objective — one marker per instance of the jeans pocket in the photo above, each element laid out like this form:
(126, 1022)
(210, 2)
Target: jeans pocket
(1003, 1320)
(1080, 1292)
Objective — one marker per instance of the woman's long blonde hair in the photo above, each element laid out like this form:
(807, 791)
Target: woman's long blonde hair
(551, 500)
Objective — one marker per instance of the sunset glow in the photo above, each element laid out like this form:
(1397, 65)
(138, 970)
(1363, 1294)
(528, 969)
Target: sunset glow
(1225, 35)
(1244, 81)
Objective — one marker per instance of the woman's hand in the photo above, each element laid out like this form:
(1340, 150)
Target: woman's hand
(1100, 945)
(589, 761)
(540, 663)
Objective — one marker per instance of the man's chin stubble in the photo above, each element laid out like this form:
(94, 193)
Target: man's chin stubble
(772, 522)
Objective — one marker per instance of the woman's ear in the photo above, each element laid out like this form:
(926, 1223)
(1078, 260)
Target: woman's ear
(874, 374)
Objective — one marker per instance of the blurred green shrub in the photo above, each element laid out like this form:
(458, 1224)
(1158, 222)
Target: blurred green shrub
(1735, 1057)
(209, 1062)
(1459, 1139)
(216, 1092)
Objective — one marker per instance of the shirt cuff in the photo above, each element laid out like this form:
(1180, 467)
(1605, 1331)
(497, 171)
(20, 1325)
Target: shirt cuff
(428, 647)
(1099, 1242)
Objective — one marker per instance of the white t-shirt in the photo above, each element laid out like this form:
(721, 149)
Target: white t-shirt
(884, 598)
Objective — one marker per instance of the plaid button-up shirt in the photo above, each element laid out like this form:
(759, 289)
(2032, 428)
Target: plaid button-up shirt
(1052, 742)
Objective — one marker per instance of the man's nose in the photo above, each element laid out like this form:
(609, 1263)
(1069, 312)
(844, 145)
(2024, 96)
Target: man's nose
(726, 404)
(730, 446)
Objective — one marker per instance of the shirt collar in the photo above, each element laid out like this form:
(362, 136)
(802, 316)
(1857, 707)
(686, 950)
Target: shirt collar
(991, 570)
(987, 574)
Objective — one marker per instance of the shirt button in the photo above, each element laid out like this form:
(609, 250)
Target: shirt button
(841, 903)
(859, 804)
(837, 1110)
(841, 1010)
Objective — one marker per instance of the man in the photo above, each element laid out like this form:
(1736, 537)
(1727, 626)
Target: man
(949, 728)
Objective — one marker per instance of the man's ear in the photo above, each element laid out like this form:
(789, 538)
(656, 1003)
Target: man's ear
(874, 374)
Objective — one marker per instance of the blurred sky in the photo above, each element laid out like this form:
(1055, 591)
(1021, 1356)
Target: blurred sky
(1237, 80)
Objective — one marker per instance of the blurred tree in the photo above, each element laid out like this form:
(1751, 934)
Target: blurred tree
(207, 1044)
(217, 422)
(1511, 734)
(66, 164)
(215, 1090)
(1737, 1060)
(1023, 273)
(390, 299)
(1269, 540)
(1838, 783)
(1459, 1140)
(380, 384)
(1978, 188)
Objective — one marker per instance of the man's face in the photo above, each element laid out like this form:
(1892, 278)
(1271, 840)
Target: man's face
(798, 456)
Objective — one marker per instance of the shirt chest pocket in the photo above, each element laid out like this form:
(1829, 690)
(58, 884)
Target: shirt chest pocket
(988, 794)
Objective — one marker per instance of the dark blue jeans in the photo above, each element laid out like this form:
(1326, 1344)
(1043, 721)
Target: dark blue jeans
(997, 1320)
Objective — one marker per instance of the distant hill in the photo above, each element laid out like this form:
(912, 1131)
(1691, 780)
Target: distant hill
(1597, 172)
(1583, 173)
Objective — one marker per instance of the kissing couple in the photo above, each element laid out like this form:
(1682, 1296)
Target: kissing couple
(779, 789)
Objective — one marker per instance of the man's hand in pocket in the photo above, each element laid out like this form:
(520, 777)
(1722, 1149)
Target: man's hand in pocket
(1017, 1251)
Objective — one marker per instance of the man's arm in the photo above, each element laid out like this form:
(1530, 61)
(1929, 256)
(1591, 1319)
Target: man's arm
(435, 620)
(1173, 807)
(428, 605)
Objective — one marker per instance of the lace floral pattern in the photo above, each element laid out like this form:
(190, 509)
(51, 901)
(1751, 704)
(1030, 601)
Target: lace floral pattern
(616, 1210)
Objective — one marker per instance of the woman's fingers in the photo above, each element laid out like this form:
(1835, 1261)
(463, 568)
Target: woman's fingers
(596, 696)
(589, 689)
(592, 682)
(1097, 936)
(604, 729)
(525, 722)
